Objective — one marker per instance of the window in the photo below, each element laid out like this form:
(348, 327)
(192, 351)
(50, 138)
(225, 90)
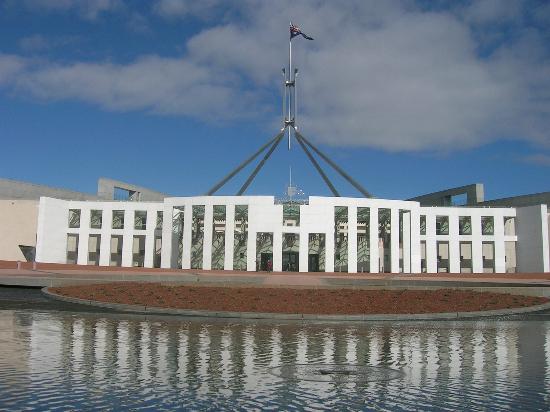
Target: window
(291, 215)
(118, 219)
(74, 218)
(72, 248)
(96, 218)
(159, 220)
(487, 225)
(464, 225)
(140, 220)
(509, 226)
(442, 225)
(422, 224)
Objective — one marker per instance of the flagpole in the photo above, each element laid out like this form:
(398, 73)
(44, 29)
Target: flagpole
(290, 82)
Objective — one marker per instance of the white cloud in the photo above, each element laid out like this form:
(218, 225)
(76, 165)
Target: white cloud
(10, 67)
(88, 9)
(178, 9)
(538, 159)
(379, 74)
(161, 85)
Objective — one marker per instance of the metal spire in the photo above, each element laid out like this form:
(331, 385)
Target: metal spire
(289, 99)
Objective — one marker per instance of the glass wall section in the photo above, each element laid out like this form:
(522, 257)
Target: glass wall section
(384, 239)
(178, 218)
(197, 237)
(340, 239)
(158, 225)
(157, 251)
(138, 251)
(401, 241)
(363, 237)
(74, 218)
(422, 224)
(157, 243)
(72, 248)
(487, 225)
(264, 251)
(443, 257)
(140, 220)
(218, 237)
(466, 257)
(488, 257)
(96, 219)
(116, 251)
(509, 226)
(291, 215)
(423, 262)
(442, 225)
(316, 252)
(240, 237)
(94, 245)
(118, 219)
(291, 252)
(464, 225)
(510, 256)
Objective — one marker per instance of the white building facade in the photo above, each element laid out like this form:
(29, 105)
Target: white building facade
(325, 234)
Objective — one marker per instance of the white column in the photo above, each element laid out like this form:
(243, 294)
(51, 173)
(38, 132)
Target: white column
(187, 232)
(149, 233)
(83, 237)
(352, 239)
(406, 242)
(431, 245)
(105, 246)
(251, 249)
(277, 251)
(415, 241)
(394, 240)
(166, 251)
(500, 261)
(304, 252)
(477, 253)
(207, 241)
(128, 238)
(454, 245)
(373, 240)
(329, 248)
(229, 237)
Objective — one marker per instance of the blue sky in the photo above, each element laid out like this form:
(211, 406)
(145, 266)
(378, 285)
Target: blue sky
(408, 97)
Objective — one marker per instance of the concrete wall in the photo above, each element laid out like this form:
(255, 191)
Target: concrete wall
(474, 195)
(106, 190)
(13, 189)
(532, 232)
(18, 222)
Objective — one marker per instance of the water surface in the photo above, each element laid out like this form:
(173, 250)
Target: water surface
(56, 357)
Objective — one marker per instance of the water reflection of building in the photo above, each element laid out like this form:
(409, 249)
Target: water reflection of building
(445, 362)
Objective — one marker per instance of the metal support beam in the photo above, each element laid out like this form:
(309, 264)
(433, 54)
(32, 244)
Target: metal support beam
(260, 165)
(317, 166)
(360, 188)
(222, 182)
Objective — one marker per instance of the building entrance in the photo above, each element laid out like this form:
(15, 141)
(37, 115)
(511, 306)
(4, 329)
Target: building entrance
(264, 261)
(313, 263)
(291, 261)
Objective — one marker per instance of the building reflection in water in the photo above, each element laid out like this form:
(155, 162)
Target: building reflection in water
(443, 363)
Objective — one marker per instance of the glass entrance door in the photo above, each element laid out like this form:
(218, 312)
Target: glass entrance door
(291, 262)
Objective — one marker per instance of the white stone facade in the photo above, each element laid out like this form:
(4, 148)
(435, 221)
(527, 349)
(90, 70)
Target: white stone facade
(455, 239)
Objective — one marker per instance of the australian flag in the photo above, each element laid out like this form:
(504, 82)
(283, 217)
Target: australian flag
(295, 31)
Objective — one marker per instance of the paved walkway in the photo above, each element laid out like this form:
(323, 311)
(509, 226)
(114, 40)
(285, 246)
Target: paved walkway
(59, 275)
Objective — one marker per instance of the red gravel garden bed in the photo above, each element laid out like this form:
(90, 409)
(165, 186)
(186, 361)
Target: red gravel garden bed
(306, 301)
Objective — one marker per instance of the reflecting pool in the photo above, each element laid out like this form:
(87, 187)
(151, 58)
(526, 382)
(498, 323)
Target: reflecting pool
(54, 357)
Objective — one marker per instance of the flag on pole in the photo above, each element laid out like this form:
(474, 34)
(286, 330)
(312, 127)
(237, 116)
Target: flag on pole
(295, 31)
